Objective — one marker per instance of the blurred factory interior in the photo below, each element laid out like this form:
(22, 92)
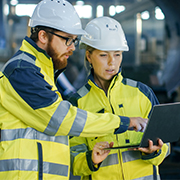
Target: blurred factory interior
(152, 29)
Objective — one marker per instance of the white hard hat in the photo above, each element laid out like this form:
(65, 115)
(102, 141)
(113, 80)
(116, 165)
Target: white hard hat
(57, 14)
(104, 33)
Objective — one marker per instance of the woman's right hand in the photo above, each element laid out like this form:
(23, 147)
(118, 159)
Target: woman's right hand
(99, 153)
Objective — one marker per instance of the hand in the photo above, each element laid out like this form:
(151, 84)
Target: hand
(98, 153)
(152, 148)
(138, 124)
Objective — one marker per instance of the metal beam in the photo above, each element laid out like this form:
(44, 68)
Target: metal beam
(134, 8)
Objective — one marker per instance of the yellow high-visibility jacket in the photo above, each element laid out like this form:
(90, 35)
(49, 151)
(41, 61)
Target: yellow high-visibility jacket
(125, 97)
(35, 122)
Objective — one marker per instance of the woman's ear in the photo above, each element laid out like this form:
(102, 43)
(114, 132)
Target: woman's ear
(88, 56)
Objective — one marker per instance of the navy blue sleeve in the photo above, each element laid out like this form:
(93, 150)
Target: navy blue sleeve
(149, 93)
(123, 125)
(29, 83)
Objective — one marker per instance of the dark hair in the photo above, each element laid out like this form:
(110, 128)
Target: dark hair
(35, 31)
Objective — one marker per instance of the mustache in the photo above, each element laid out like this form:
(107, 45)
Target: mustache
(70, 53)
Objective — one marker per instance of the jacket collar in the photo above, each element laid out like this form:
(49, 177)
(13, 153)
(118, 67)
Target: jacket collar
(29, 46)
(33, 44)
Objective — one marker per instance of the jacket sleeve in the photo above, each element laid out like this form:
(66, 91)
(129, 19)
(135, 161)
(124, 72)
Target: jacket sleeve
(156, 158)
(26, 94)
(81, 164)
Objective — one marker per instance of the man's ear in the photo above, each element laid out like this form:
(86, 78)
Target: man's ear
(42, 36)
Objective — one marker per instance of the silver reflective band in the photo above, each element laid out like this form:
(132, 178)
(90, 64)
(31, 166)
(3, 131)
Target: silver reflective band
(131, 82)
(110, 160)
(22, 56)
(167, 154)
(57, 118)
(130, 156)
(151, 177)
(79, 148)
(75, 150)
(30, 133)
(83, 91)
(79, 123)
(32, 165)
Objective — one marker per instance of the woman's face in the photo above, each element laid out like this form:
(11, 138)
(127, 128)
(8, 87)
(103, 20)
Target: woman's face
(106, 64)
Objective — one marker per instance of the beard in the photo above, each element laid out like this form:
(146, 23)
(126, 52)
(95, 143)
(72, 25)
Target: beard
(59, 61)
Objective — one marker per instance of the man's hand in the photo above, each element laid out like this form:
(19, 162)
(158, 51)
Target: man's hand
(138, 124)
(98, 153)
(152, 148)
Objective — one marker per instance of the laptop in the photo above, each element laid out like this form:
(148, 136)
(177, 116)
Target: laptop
(164, 123)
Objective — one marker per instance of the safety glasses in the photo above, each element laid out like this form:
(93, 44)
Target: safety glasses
(69, 41)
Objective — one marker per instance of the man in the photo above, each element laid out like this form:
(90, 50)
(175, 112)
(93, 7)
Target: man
(34, 120)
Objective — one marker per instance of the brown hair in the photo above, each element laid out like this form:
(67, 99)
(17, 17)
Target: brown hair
(86, 62)
(35, 31)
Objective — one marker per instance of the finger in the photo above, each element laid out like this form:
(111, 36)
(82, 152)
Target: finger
(99, 145)
(160, 143)
(99, 148)
(136, 126)
(149, 149)
(111, 144)
(150, 144)
(103, 144)
(144, 124)
(146, 120)
(107, 151)
(143, 127)
(96, 148)
(133, 149)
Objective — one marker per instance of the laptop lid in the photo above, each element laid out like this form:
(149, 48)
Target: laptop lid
(164, 123)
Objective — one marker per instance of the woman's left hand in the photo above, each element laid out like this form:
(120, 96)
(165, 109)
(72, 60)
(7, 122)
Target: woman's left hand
(152, 148)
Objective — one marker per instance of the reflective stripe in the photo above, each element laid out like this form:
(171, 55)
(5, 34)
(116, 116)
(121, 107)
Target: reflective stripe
(75, 150)
(83, 91)
(22, 56)
(168, 152)
(32, 165)
(57, 118)
(135, 155)
(130, 156)
(30, 133)
(52, 168)
(110, 160)
(79, 148)
(131, 82)
(79, 123)
(147, 178)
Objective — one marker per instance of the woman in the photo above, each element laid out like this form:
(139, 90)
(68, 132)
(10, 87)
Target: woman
(108, 91)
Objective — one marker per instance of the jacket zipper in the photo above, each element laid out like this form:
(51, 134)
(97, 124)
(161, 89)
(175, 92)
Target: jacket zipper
(120, 159)
(40, 161)
(119, 153)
